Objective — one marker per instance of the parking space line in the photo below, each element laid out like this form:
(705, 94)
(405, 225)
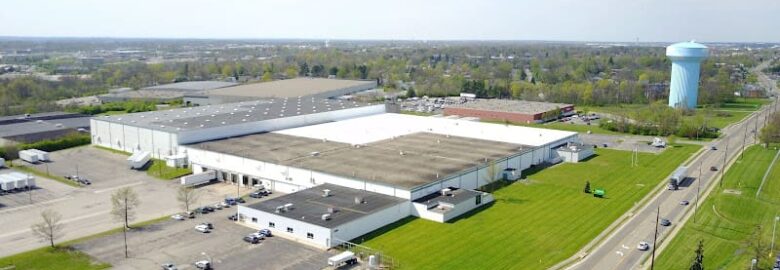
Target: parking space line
(118, 187)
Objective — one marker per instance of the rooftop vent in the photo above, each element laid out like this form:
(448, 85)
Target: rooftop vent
(401, 153)
(359, 200)
(446, 192)
(325, 216)
(314, 154)
(326, 193)
(332, 210)
(279, 209)
(288, 207)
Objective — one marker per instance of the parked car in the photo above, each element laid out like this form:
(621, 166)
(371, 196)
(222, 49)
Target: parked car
(665, 222)
(204, 264)
(208, 208)
(265, 232)
(251, 239)
(224, 204)
(257, 235)
(233, 217)
(208, 225)
(178, 217)
(218, 206)
(713, 148)
(714, 169)
(202, 228)
(240, 200)
(256, 194)
(230, 201)
(169, 266)
(84, 181)
(685, 203)
(190, 214)
(643, 246)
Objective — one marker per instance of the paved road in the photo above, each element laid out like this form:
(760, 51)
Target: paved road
(619, 249)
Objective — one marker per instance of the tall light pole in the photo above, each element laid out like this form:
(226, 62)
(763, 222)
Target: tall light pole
(655, 236)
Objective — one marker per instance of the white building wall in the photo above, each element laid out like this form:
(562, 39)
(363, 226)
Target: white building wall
(367, 224)
(421, 210)
(466, 206)
(322, 236)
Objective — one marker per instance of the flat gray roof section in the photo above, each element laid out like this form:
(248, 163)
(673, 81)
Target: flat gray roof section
(426, 157)
(515, 106)
(309, 205)
(297, 87)
(193, 118)
(456, 196)
(191, 86)
(17, 128)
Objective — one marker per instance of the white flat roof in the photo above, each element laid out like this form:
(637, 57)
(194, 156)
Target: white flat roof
(379, 127)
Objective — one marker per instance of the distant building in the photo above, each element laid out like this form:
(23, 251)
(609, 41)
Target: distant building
(292, 88)
(29, 128)
(163, 92)
(510, 110)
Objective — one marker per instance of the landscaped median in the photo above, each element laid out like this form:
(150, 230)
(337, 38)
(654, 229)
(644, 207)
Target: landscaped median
(63, 256)
(534, 223)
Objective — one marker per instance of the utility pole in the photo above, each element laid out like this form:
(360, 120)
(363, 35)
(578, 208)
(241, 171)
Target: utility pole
(655, 236)
(725, 154)
(698, 190)
(125, 227)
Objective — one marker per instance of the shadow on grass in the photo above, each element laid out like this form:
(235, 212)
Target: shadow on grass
(471, 213)
(376, 233)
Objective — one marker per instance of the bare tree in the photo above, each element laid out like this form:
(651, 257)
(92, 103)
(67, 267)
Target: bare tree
(124, 202)
(187, 196)
(48, 230)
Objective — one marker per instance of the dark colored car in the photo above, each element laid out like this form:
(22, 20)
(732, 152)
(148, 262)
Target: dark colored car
(665, 222)
(208, 208)
(684, 203)
(240, 200)
(713, 168)
(230, 201)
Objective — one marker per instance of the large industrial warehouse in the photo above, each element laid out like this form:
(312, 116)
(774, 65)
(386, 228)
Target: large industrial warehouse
(161, 132)
(433, 164)
(346, 168)
(518, 111)
(298, 87)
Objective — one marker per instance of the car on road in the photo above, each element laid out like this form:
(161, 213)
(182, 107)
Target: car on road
(202, 228)
(685, 203)
(714, 169)
(265, 232)
(713, 148)
(665, 222)
(169, 266)
(643, 246)
(178, 217)
(204, 264)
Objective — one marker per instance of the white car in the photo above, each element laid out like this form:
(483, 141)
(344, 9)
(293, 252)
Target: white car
(258, 235)
(204, 264)
(224, 205)
(643, 246)
(178, 217)
(202, 228)
(169, 266)
(218, 206)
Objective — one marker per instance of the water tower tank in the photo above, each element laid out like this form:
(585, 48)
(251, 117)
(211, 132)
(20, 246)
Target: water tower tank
(686, 59)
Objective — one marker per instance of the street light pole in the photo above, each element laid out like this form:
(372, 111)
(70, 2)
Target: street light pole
(655, 236)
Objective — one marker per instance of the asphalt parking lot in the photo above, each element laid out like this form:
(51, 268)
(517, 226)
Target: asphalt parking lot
(622, 142)
(177, 242)
(103, 168)
(45, 190)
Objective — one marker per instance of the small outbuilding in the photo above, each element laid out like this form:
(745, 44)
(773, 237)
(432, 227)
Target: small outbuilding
(575, 152)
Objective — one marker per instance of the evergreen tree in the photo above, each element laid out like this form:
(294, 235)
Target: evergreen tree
(698, 262)
(587, 187)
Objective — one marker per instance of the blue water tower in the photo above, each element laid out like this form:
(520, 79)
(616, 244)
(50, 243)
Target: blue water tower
(686, 61)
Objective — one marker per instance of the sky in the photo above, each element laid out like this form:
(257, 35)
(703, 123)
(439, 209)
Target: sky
(555, 20)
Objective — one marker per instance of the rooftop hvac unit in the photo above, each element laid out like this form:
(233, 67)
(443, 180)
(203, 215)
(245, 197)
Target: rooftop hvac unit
(331, 210)
(280, 209)
(314, 154)
(325, 216)
(288, 207)
(326, 193)
(359, 200)
(446, 192)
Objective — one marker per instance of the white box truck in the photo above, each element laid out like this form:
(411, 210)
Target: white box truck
(677, 178)
(42, 155)
(139, 159)
(198, 179)
(28, 156)
(29, 180)
(8, 184)
(345, 257)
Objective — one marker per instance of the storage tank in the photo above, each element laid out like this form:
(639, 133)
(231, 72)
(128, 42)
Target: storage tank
(686, 61)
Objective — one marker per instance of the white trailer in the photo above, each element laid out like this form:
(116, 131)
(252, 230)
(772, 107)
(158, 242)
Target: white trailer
(7, 183)
(344, 257)
(2, 162)
(29, 180)
(28, 156)
(198, 179)
(139, 159)
(42, 155)
(677, 177)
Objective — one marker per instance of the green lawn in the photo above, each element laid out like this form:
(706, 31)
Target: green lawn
(534, 223)
(737, 111)
(159, 170)
(726, 221)
(561, 126)
(61, 258)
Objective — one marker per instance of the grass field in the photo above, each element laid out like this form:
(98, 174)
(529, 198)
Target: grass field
(534, 223)
(725, 222)
(562, 126)
(61, 258)
(158, 169)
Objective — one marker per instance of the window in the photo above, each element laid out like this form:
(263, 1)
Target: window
(254, 220)
(271, 224)
(289, 230)
(310, 235)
